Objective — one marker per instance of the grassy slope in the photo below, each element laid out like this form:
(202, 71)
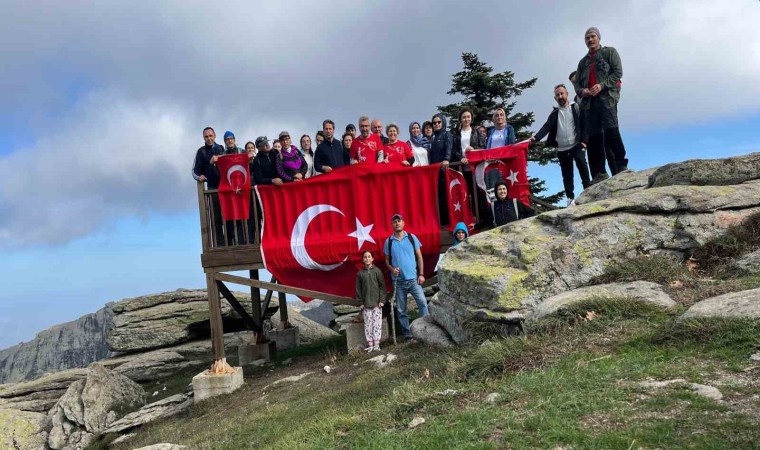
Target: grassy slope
(570, 382)
(567, 384)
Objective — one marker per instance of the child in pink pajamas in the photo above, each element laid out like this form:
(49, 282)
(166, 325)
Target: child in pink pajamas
(370, 291)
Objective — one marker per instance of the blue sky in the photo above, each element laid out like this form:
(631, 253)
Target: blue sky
(105, 104)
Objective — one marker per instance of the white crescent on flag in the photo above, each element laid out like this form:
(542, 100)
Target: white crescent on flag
(237, 168)
(298, 238)
(453, 183)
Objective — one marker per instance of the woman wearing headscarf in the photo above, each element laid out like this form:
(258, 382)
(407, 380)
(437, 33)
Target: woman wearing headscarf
(419, 144)
(440, 146)
(440, 153)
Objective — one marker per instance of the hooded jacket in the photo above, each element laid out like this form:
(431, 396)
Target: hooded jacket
(441, 143)
(460, 226)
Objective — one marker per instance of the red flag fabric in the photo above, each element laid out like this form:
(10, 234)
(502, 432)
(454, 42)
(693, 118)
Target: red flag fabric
(315, 231)
(234, 186)
(459, 201)
(512, 163)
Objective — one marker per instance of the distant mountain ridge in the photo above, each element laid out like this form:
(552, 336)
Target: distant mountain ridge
(68, 345)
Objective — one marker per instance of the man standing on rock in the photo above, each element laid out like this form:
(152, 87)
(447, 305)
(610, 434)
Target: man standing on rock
(598, 82)
(403, 259)
(564, 129)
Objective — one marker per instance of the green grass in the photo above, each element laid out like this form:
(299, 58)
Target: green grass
(567, 383)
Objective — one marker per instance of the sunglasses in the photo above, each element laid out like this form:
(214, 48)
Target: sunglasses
(436, 122)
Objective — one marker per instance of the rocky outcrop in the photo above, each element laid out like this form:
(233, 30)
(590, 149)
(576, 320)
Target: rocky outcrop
(41, 394)
(308, 330)
(317, 310)
(735, 305)
(90, 405)
(502, 275)
(640, 291)
(749, 262)
(149, 413)
(622, 184)
(708, 172)
(22, 430)
(65, 346)
(160, 320)
(427, 331)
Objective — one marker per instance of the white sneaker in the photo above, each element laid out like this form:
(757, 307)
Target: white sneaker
(569, 202)
(369, 349)
(377, 348)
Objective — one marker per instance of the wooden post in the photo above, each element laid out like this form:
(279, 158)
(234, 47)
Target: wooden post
(283, 310)
(203, 213)
(256, 306)
(215, 318)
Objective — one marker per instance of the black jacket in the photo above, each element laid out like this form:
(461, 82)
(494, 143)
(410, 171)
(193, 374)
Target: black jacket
(202, 165)
(264, 167)
(509, 210)
(330, 154)
(440, 144)
(457, 152)
(550, 127)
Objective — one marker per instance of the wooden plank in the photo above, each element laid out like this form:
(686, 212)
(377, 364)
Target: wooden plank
(247, 320)
(287, 289)
(239, 255)
(215, 318)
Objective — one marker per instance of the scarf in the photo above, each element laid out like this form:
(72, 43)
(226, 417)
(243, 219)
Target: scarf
(419, 140)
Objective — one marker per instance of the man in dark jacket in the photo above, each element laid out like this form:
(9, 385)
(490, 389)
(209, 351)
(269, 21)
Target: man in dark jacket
(330, 153)
(565, 132)
(598, 83)
(205, 170)
(264, 164)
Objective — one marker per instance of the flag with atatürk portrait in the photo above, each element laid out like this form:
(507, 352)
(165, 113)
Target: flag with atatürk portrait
(508, 163)
(234, 186)
(315, 231)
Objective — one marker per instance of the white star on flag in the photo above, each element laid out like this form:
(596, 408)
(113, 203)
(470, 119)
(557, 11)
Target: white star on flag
(512, 177)
(457, 206)
(362, 233)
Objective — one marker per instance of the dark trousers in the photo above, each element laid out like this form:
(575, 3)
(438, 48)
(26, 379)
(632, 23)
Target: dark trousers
(566, 159)
(601, 125)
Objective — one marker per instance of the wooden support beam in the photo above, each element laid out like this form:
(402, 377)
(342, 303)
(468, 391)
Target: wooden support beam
(247, 320)
(215, 318)
(284, 311)
(256, 306)
(287, 289)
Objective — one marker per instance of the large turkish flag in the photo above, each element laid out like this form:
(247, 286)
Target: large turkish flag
(234, 186)
(315, 231)
(512, 163)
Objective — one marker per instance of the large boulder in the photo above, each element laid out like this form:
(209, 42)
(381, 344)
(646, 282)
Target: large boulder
(425, 329)
(64, 346)
(734, 305)
(22, 430)
(749, 262)
(622, 184)
(41, 394)
(149, 413)
(708, 172)
(319, 311)
(90, 405)
(308, 330)
(503, 274)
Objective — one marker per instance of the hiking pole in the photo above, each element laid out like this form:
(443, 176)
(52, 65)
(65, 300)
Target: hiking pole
(393, 312)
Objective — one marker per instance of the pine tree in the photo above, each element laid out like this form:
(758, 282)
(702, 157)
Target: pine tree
(483, 92)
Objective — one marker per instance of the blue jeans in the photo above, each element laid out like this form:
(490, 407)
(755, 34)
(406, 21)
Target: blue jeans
(404, 287)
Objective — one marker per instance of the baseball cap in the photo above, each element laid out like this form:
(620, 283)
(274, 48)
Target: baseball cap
(350, 126)
(229, 134)
(261, 140)
(397, 216)
(283, 134)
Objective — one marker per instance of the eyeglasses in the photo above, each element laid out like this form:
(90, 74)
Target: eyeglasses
(436, 122)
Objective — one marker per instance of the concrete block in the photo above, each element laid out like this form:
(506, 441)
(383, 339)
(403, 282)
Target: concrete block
(355, 335)
(206, 385)
(248, 354)
(285, 339)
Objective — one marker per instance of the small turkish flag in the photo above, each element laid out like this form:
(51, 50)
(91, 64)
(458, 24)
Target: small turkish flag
(459, 201)
(511, 162)
(316, 241)
(234, 186)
